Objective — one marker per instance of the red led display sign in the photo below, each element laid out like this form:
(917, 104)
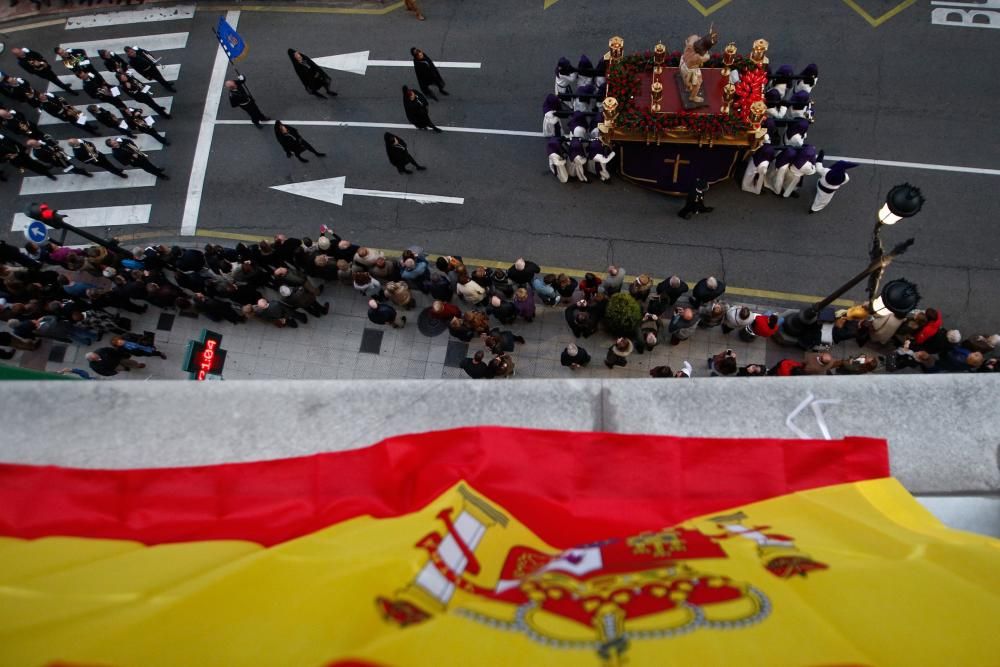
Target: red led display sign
(206, 357)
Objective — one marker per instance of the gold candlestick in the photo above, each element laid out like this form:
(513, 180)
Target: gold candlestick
(757, 111)
(611, 111)
(659, 57)
(728, 92)
(657, 95)
(728, 56)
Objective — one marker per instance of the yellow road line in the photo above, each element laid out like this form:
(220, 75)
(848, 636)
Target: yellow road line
(32, 26)
(493, 264)
(303, 10)
(876, 22)
(705, 11)
(549, 3)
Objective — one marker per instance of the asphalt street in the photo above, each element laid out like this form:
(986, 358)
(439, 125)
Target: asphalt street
(906, 90)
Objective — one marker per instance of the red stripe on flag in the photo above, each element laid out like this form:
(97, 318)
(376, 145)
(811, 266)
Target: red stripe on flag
(569, 488)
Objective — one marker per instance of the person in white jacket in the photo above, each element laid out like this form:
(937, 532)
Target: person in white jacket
(756, 171)
(557, 160)
(551, 125)
(830, 180)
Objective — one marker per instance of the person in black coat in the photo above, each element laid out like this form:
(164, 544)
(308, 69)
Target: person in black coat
(383, 313)
(97, 88)
(427, 73)
(54, 156)
(16, 122)
(239, 96)
(18, 156)
(310, 74)
(292, 142)
(574, 356)
(113, 62)
(138, 122)
(415, 106)
(106, 361)
(475, 367)
(75, 60)
(87, 153)
(16, 88)
(109, 119)
(399, 156)
(36, 64)
(125, 151)
(58, 107)
(144, 63)
(696, 200)
(139, 92)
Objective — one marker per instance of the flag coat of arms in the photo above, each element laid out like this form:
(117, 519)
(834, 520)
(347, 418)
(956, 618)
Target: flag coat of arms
(494, 546)
(230, 40)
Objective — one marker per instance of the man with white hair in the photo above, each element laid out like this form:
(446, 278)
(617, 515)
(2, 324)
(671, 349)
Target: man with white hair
(522, 271)
(574, 357)
(707, 290)
(502, 309)
(612, 284)
(383, 313)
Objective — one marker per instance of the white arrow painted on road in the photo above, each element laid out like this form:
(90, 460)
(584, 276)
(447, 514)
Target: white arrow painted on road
(332, 190)
(358, 63)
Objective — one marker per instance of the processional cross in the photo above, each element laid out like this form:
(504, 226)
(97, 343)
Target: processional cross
(677, 162)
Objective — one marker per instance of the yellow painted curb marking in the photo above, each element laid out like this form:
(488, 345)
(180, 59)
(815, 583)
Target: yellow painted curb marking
(876, 22)
(705, 11)
(492, 264)
(303, 10)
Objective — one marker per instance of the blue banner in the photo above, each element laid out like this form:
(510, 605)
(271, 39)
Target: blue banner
(231, 42)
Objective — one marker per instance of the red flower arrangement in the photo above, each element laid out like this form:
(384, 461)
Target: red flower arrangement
(750, 89)
(624, 85)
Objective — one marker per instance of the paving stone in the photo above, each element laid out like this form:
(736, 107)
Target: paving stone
(165, 322)
(371, 341)
(456, 352)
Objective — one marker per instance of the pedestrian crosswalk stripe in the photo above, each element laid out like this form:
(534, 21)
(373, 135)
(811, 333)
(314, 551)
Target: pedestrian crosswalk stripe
(159, 42)
(101, 180)
(175, 13)
(170, 73)
(145, 143)
(101, 216)
(165, 102)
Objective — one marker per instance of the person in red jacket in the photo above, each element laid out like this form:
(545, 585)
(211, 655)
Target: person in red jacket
(787, 368)
(931, 326)
(445, 311)
(762, 326)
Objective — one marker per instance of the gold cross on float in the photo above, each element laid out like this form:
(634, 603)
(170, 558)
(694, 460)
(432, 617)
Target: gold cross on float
(677, 162)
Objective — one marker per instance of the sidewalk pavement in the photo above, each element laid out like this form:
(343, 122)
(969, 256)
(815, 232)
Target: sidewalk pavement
(345, 345)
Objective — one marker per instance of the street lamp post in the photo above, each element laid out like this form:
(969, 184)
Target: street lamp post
(903, 201)
(794, 324)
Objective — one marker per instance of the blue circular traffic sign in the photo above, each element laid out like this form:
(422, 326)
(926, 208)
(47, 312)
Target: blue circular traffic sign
(36, 232)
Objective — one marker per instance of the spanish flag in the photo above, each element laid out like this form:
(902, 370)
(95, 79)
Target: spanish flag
(494, 546)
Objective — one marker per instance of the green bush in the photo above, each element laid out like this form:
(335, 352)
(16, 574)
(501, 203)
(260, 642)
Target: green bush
(623, 314)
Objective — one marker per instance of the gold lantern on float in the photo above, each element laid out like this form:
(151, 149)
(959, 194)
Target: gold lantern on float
(728, 56)
(616, 50)
(758, 54)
